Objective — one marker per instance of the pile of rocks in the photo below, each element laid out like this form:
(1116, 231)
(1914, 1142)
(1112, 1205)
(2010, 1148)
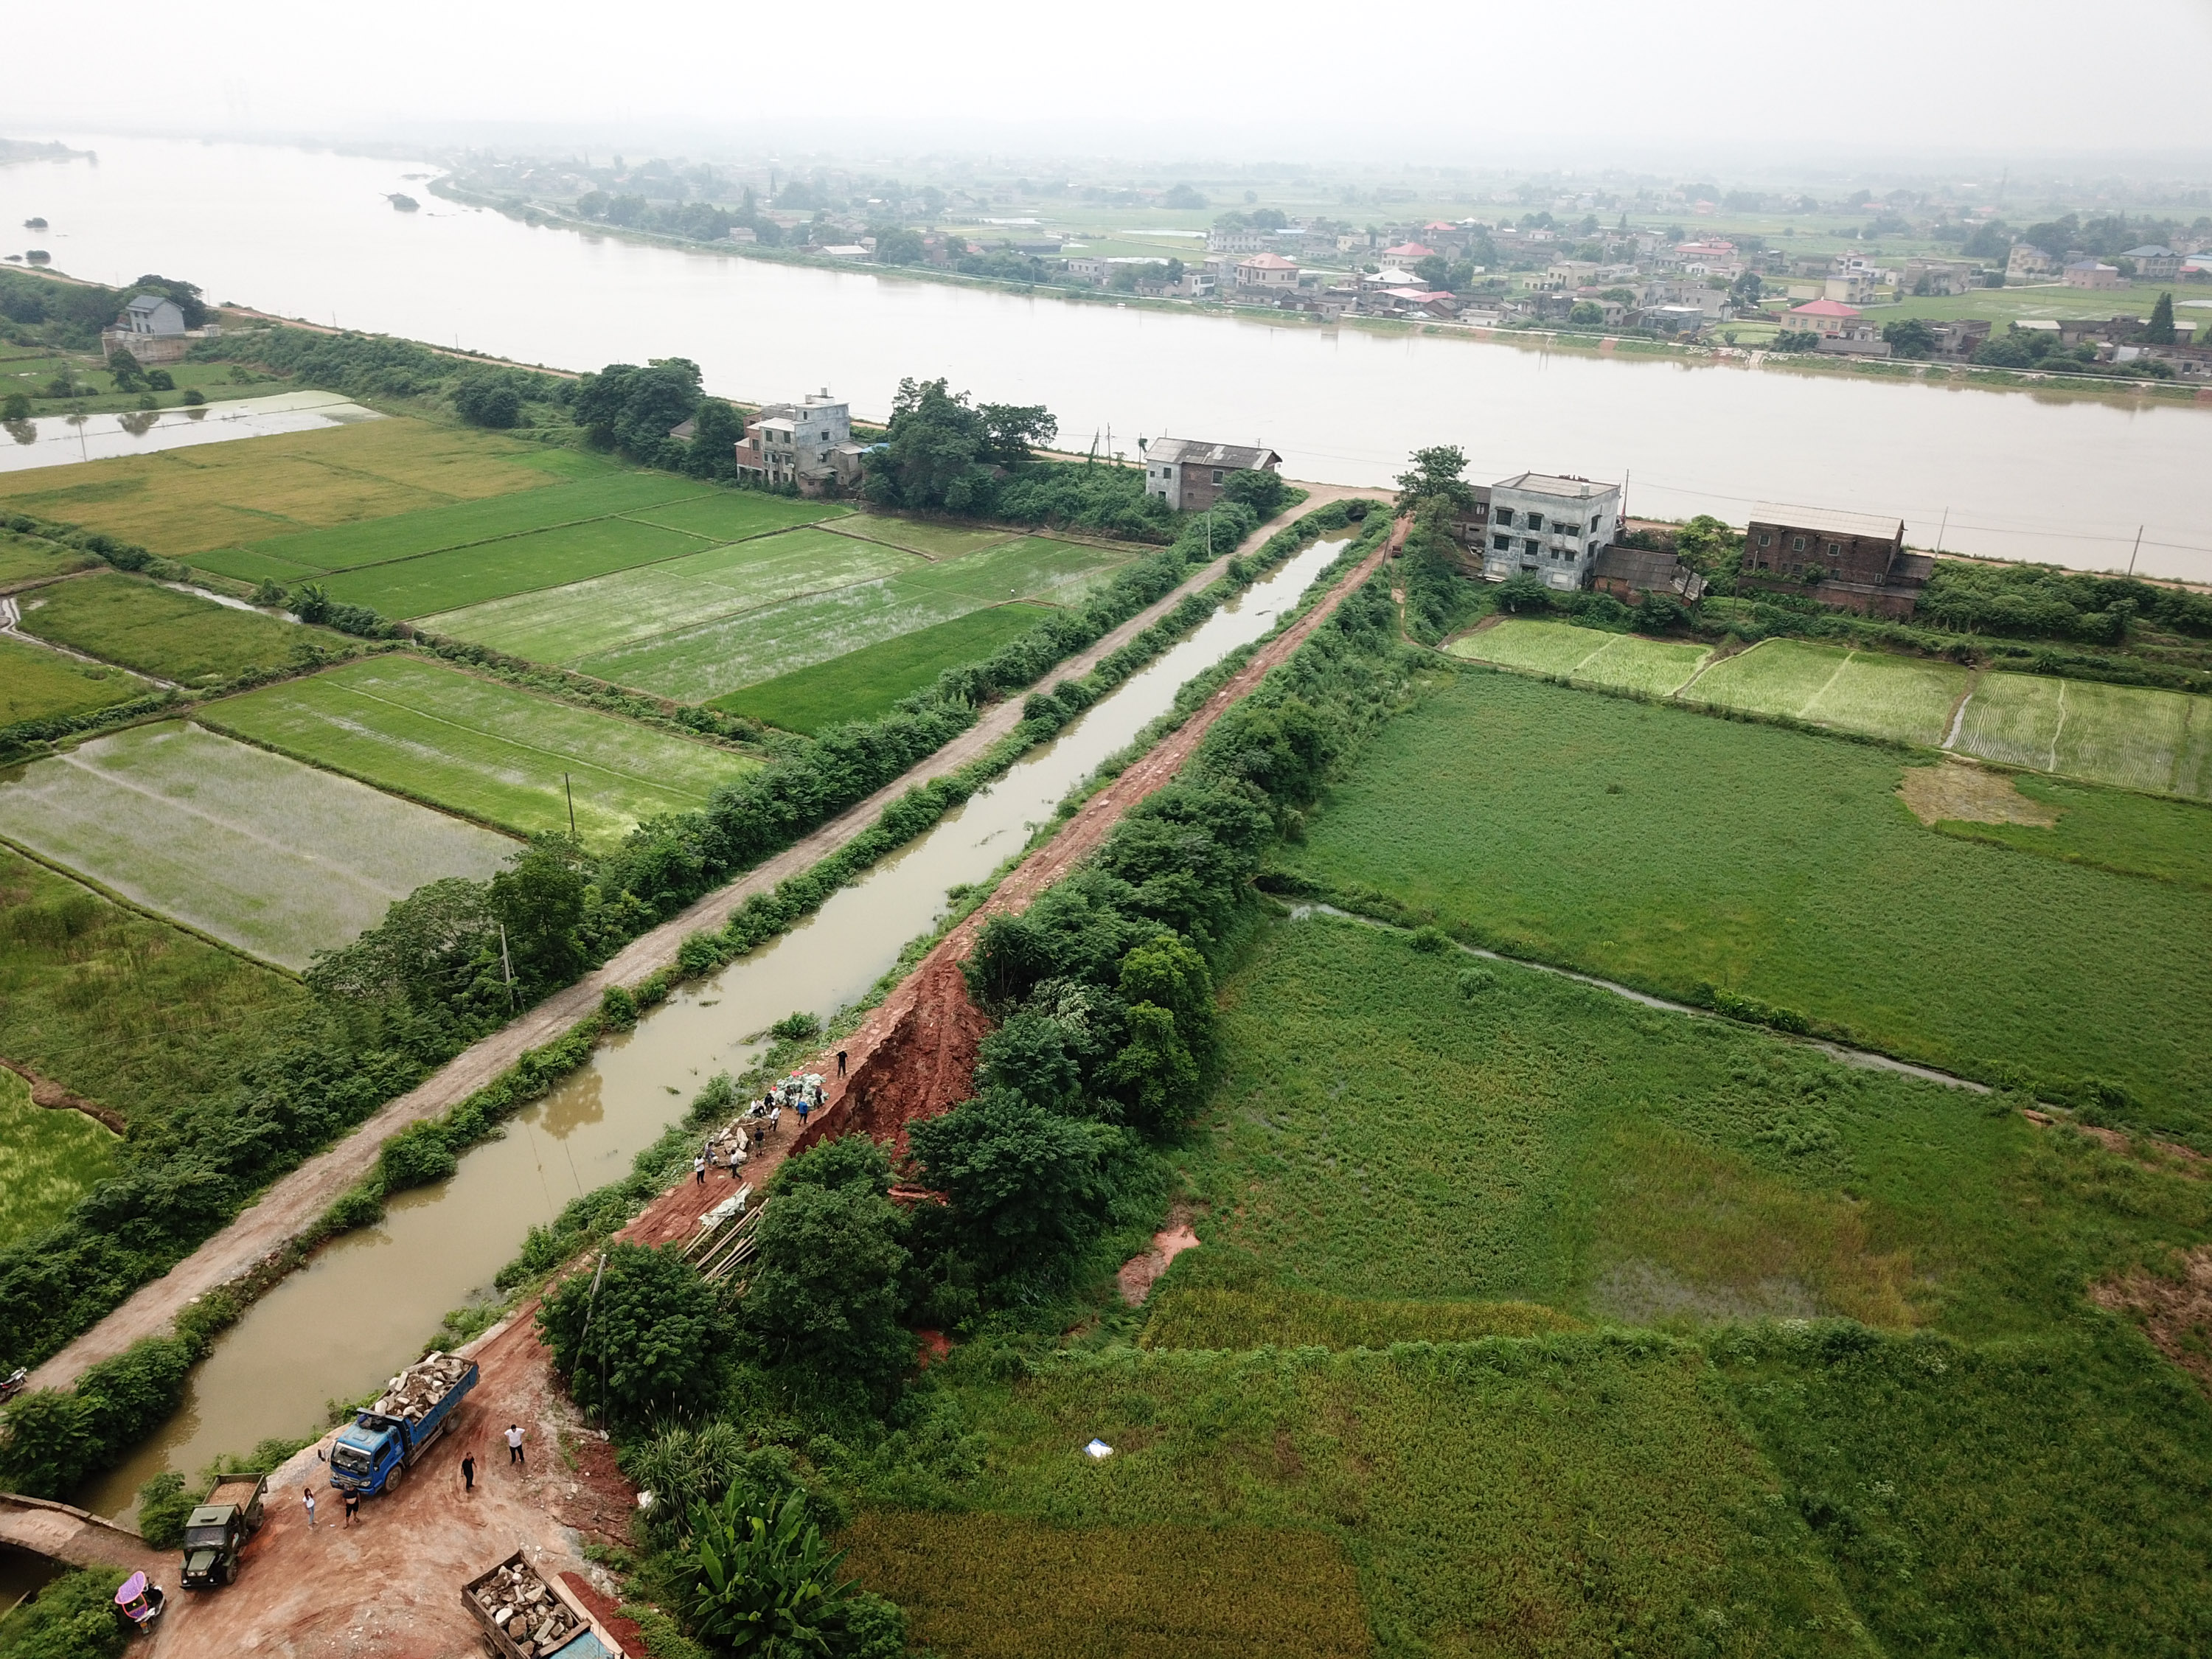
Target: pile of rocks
(525, 1610)
(420, 1386)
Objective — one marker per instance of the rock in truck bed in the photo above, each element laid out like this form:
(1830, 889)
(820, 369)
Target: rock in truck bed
(420, 1386)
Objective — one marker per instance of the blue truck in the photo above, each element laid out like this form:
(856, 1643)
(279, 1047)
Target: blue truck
(386, 1439)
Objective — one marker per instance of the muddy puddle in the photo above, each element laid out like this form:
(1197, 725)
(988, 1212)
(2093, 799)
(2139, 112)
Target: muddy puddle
(363, 1306)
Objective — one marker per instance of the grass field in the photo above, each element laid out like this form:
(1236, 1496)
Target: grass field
(517, 564)
(2165, 840)
(50, 1157)
(1673, 850)
(1387, 1129)
(1883, 696)
(276, 858)
(1003, 1584)
(405, 535)
(1595, 1490)
(124, 1009)
(866, 682)
(2120, 734)
(36, 683)
(482, 748)
(568, 624)
(158, 630)
(23, 559)
(183, 501)
(1617, 661)
(717, 658)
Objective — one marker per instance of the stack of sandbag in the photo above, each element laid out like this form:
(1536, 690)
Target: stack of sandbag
(525, 1609)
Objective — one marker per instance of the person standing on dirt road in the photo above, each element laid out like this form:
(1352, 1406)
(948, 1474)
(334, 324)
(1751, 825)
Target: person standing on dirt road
(840, 1062)
(515, 1445)
(468, 1473)
(309, 1492)
(699, 1170)
(352, 1507)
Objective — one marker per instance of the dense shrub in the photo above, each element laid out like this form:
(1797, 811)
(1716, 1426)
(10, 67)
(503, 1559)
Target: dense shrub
(164, 1505)
(74, 1617)
(637, 1340)
(825, 1294)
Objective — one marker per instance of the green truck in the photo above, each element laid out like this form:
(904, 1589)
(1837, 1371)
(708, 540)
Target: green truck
(218, 1529)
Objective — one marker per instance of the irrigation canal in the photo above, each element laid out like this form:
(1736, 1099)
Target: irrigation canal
(363, 1306)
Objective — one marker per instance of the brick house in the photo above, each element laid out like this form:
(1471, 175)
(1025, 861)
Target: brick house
(1855, 561)
(1188, 474)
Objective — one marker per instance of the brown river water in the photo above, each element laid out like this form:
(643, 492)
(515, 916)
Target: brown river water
(365, 1304)
(2064, 477)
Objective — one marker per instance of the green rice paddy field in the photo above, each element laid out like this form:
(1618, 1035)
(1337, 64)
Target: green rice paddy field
(158, 630)
(1965, 1457)
(24, 559)
(187, 502)
(714, 659)
(865, 684)
(1673, 851)
(2126, 735)
(37, 684)
(481, 748)
(278, 858)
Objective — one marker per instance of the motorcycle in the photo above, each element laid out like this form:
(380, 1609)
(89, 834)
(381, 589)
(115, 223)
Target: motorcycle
(141, 1602)
(13, 1384)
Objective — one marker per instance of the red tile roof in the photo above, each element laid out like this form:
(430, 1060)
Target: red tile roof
(1825, 308)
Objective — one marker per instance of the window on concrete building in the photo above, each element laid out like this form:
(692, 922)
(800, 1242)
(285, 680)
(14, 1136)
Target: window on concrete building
(1536, 521)
(1505, 516)
(1532, 547)
(1503, 544)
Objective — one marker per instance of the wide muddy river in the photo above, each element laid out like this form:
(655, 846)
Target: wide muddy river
(363, 1306)
(2070, 479)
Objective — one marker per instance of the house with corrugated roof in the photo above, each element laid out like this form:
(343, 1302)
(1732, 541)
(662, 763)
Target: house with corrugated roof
(1188, 473)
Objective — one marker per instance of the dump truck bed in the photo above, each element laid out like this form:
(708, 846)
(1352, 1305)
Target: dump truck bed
(588, 1639)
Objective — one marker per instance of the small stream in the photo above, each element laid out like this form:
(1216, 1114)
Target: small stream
(362, 1306)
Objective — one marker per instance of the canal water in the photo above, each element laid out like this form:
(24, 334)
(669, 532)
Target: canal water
(2047, 476)
(364, 1305)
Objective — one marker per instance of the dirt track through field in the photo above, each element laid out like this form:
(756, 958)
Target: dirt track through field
(260, 1234)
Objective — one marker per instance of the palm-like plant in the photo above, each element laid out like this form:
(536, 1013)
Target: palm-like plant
(765, 1586)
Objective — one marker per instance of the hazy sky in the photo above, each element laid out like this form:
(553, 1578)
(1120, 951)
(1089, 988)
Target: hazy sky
(1430, 80)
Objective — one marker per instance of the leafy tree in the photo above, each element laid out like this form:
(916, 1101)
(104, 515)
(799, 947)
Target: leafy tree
(1746, 289)
(488, 400)
(1269, 219)
(898, 246)
(2159, 330)
(129, 377)
(1184, 197)
(163, 1507)
(2011, 349)
(1436, 477)
(632, 409)
(15, 407)
(430, 947)
(1030, 1055)
(940, 449)
(1026, 1185)
(539, 900)
(765, 1586)
(1910, 338)
(1797, 339)
(1260, 488)
(717, 426)
(1586, 311)
(853, 1160)
(824, 1293)
(638, 1338)
(1707, 545)
(1991, 241)
(1434, 270)
(160, 380)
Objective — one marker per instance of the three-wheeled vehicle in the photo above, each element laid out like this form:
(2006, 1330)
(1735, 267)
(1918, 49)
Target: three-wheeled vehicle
(140, 1601)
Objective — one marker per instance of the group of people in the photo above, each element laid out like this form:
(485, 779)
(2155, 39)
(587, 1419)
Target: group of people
(762, 1119)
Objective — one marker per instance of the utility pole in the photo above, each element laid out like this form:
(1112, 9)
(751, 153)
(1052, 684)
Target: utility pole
(2137, 549)
(1940, 528)
(506, 967)
(567, 790)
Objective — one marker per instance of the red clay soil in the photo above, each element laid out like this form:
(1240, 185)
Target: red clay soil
(392, 1586)
(2175, 1313)
(258, 1236)
(1140, 1272)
